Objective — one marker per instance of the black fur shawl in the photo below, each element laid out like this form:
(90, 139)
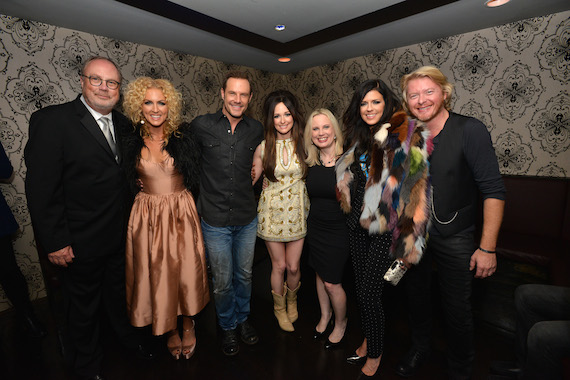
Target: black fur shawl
(183, 148)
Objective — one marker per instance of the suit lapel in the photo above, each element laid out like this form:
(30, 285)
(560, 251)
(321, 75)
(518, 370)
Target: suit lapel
(91, 125)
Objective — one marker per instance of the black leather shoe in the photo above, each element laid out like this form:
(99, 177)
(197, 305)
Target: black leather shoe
(318, 335)
(230, 346)
(96, 377)
(510, 369)
(145, 352)
(333, 346)
(247, 333)
(355, 359)
(411, 363)
(33, 326)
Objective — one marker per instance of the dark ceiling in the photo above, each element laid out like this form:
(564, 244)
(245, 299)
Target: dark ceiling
(242, 31)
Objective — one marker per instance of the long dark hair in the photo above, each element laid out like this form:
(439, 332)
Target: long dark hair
(356, 131)
(270, 157)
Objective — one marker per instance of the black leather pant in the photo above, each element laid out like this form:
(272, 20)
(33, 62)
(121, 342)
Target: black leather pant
(451, 256)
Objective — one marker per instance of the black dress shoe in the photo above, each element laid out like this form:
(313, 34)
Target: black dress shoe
(230, 346)
(333, 346)
(96, 377)
(145, 352)
(411, 363)
(247, 333)
(510, 369)
(355, 359)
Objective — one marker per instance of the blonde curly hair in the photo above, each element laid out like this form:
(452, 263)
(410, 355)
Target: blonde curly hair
(134, 97)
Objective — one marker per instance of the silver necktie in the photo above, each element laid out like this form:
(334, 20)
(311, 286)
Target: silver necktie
(108, 135)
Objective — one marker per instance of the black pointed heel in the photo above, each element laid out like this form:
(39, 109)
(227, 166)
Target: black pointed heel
(355, 359)
(318, 335)
(333, 346)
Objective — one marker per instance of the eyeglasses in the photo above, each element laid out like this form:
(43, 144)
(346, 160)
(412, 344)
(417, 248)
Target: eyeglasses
(96, 81)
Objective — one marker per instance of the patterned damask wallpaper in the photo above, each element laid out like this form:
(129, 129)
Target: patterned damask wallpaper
(513, 77)
(38, 67)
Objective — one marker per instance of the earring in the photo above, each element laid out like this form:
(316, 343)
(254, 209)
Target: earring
(142, 122)
(335, 137)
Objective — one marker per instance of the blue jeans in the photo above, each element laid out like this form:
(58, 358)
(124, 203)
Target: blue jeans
(229, 251)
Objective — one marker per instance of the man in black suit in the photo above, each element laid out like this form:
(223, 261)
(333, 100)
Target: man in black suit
(78, 200)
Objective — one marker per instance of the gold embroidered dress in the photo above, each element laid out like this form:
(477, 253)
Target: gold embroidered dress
(283, 205)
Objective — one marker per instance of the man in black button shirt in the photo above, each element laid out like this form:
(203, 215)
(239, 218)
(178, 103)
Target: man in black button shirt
(227, 206)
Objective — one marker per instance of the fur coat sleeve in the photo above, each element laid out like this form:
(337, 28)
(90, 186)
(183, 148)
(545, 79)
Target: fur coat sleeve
(186, 153)
(132, 144)
(397, 193)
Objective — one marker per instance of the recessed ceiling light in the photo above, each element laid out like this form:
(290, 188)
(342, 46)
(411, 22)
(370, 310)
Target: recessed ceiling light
(284, 59)
(495, 3)
(279, 28)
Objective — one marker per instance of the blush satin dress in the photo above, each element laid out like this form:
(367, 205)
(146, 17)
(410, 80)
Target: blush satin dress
(165, 259)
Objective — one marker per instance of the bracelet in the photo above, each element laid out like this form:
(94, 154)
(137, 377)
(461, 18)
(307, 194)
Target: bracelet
(486, 251)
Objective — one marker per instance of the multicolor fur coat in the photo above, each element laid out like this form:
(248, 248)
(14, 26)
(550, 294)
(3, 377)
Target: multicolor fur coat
(397, 193)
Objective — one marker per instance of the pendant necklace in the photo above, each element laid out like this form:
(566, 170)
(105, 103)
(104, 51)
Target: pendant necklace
(327, 162)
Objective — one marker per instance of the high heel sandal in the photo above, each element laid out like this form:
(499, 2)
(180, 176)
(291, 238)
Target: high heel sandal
(188, 350)
(176, 349)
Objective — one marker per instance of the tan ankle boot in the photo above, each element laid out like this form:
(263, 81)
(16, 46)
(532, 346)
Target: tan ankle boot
(292, 312)
(279, 309)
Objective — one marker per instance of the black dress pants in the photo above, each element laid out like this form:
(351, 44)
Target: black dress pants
(90, 285)
(451, 255)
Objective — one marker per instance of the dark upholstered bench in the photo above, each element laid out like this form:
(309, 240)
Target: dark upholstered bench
(536, 225)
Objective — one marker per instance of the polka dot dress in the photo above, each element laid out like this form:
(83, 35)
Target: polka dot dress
(370, 260)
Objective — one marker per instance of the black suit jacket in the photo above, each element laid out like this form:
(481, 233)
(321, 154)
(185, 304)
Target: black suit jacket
(77, 193)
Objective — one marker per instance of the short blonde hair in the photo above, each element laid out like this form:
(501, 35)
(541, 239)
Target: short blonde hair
(312, 151)
(134, 97)
(432, 73)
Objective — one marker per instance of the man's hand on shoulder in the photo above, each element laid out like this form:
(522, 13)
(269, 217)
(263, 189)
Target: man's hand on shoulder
(62, 257)
(484, 263)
